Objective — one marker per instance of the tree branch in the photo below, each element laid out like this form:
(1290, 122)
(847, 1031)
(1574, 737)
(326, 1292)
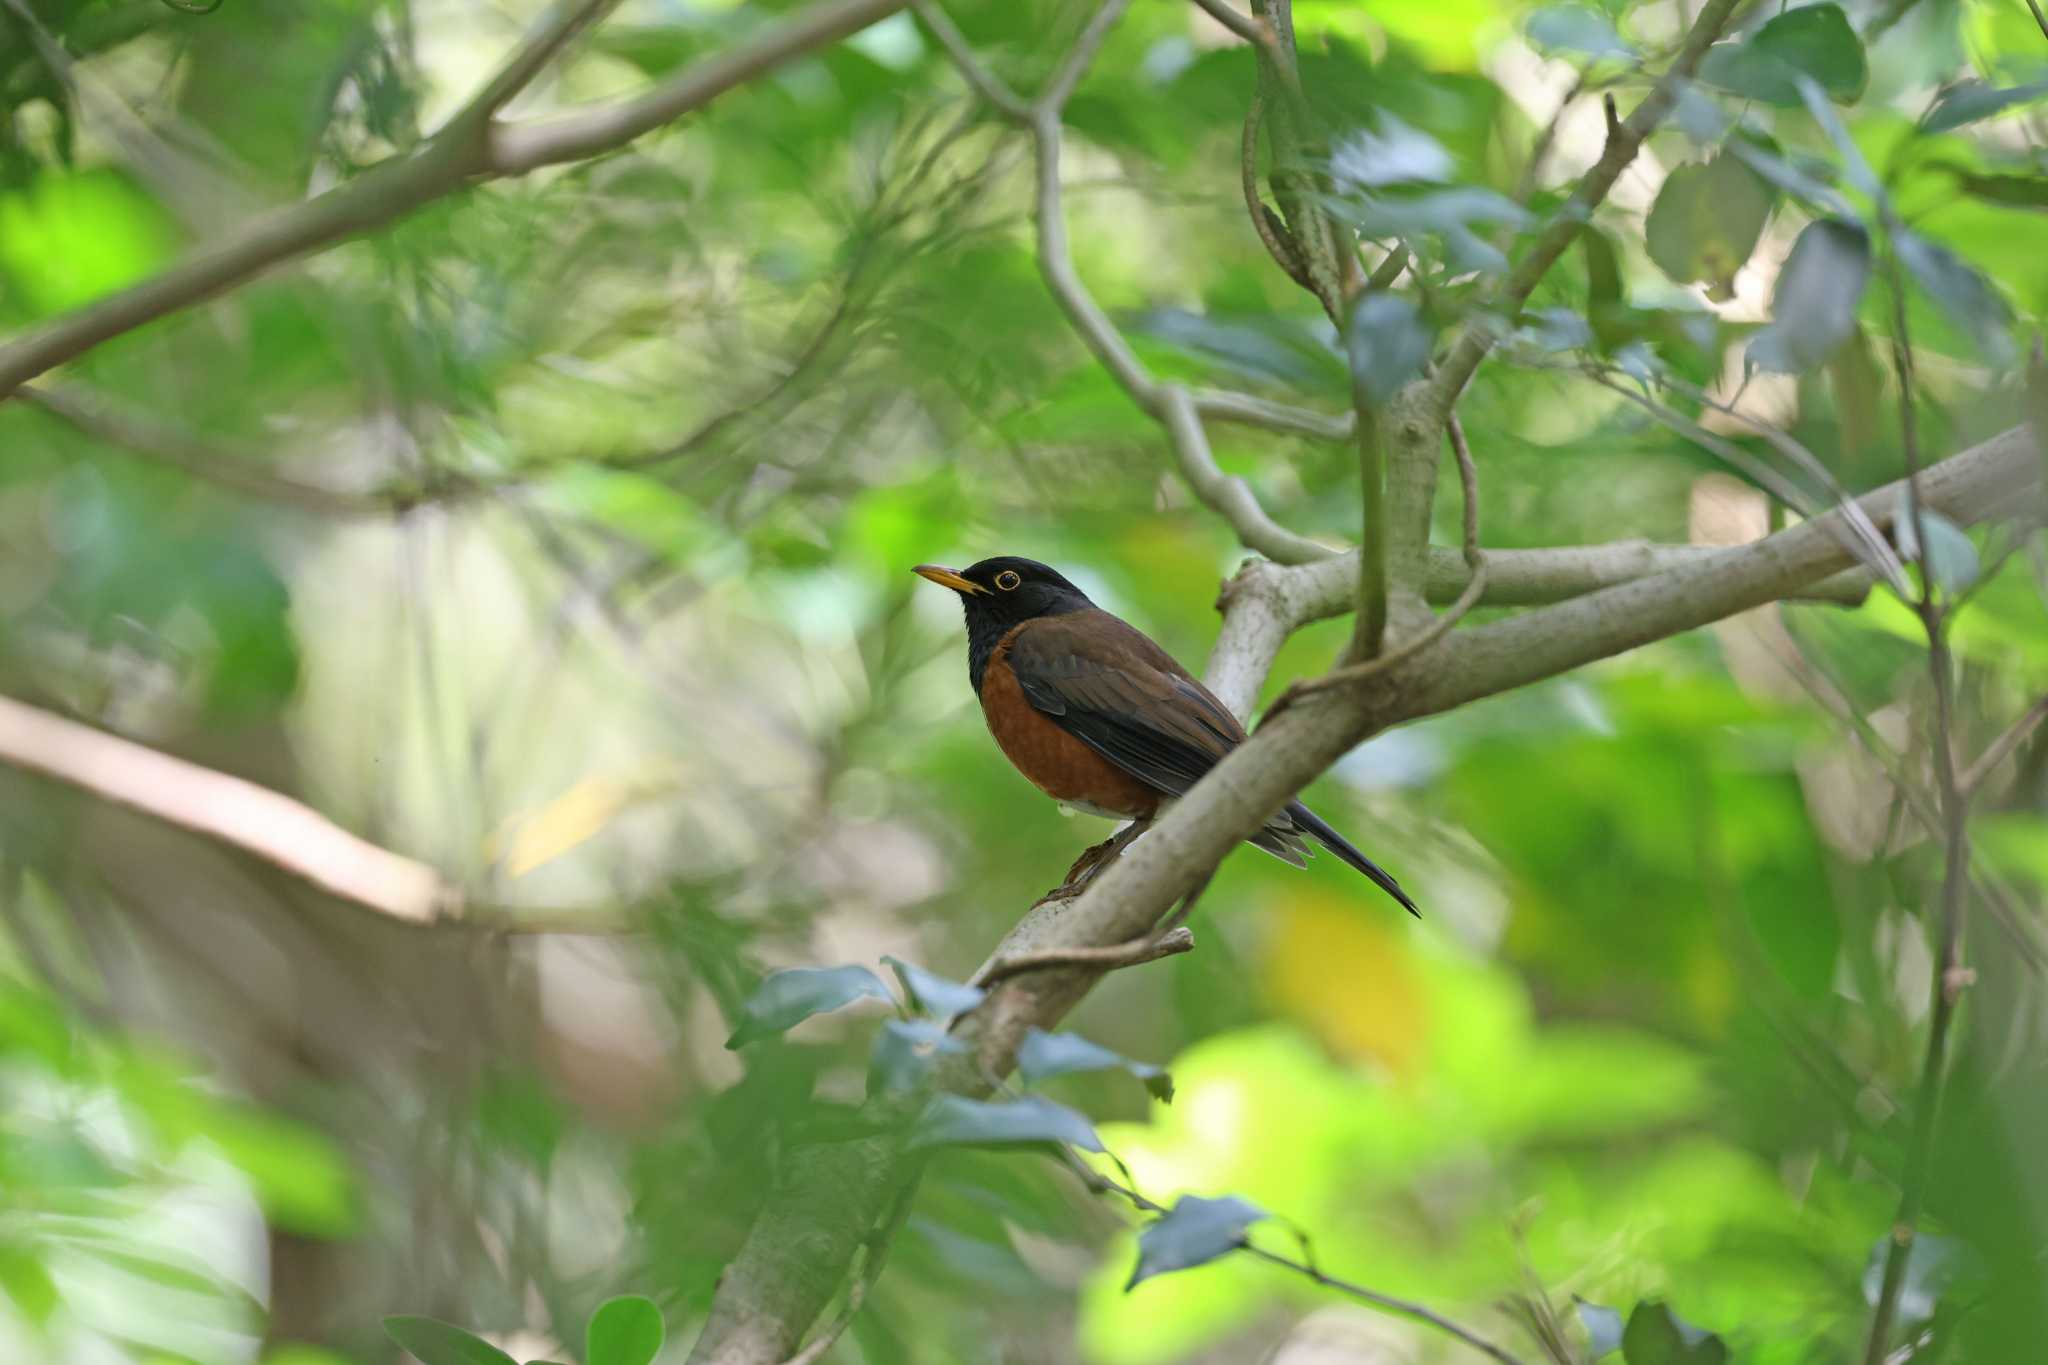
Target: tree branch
(1625, 141)
(468, 150)
(830, 1195)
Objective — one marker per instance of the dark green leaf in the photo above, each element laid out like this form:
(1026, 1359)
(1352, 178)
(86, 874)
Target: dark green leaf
(1394, 155)
(1951, 557)
(1706, 222)
(626, 1330)
(786, 999)
(1603, 1328)
(1972, 100)
(1815, 41)
(1798, 181)
(439, 1343)
(953, 1119)
(2013, 191)
(1657, 1336)
(1388, 342)
(1261, 349)
(1963, 293)
(934, 993)
(1814, 306)
(1195, 1232)
(1045, 1055)
(903, 1052)
(1574, 28)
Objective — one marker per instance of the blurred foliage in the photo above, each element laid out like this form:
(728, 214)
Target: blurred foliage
(636, 454)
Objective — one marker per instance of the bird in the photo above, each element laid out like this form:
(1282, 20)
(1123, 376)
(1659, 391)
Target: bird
(1100, 718)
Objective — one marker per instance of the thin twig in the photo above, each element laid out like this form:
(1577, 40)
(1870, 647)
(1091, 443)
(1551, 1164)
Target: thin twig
(1950, 977)
(541, 46)
(464, 152)
(2040, 19)
(1475, 588)
(1227, 495)
(1479, 335)
(1886, 559)
(1237, 21)
(1177, 939)
(1999, 749)
(1099, 1183)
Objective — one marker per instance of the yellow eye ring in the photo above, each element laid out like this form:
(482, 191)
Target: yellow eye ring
(1007, 580)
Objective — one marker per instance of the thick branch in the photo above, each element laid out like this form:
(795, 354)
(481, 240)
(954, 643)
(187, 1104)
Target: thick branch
(470, 149)
(272, 826)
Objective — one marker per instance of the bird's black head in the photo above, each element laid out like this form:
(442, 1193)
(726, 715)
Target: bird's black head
(1001, 594)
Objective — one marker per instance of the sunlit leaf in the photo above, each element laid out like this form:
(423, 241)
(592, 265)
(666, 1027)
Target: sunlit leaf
(787, 998)
(440, 1343)
(1706, 222)
(936, 994)
(1045, 1055)
(1814, 306)
(1195, 1232)
(626, 1330)
(955, 1119)
(1657, 1336)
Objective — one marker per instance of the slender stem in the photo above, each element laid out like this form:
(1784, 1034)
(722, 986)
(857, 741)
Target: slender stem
(1999, 749)
(1949, 976)
(1407, 1308)
(1372, 569)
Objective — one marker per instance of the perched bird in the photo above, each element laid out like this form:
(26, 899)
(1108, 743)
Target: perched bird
(1098, 716)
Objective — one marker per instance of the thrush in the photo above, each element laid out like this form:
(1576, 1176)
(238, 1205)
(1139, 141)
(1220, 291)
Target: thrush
(1097, 716)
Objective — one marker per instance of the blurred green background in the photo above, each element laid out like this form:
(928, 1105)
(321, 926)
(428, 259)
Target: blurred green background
(558, 536)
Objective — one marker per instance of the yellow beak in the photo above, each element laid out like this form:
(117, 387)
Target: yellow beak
(946, 578)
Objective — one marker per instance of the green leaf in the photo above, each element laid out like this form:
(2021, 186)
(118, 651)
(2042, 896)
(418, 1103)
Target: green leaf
(1557, 329)
(626, 1330)
(1814, 306)
(785, 999)
(1260, 348)
(1603, 1328)
(1951, 557)
(1970, 101)
(440, 1343)
(1815, 41)
(1195, 1232)
(1657, 1336)
(1044, 1055)
(1574, 28)
(1395, 154)
(2009, 191)
(934, 993)
(1798, 181)
(1963, 293)
(954, 1119)
(903, 1053)
(1706, 222)
(1387, 342)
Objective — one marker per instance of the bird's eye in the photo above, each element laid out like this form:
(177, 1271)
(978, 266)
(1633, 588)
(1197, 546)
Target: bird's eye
(1008, 580)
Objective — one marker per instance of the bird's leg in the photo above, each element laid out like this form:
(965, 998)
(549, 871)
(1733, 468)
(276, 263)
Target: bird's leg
(1094, 859)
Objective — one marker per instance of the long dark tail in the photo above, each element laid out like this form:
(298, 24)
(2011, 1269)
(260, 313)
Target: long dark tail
(1309, 821)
